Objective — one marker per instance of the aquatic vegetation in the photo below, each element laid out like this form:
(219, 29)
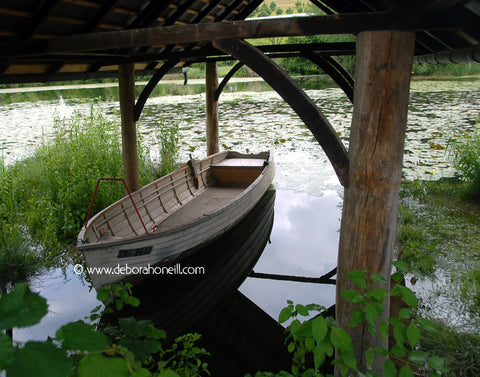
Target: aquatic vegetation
(49, 192)
(316, 342)
(438, 234)
(459, 349)
(466, 154)
(130, 348)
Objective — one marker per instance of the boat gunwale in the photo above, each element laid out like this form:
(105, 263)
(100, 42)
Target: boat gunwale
(89, 246)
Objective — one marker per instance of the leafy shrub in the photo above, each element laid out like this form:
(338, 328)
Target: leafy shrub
(132, 348)
(320, 338)
(466, 154)
(50, 191)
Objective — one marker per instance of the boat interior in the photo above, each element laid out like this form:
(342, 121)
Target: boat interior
(167, 203)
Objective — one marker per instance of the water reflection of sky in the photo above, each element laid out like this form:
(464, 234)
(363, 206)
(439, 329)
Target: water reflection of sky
(305, 233)
(304, 242)
(69, 299)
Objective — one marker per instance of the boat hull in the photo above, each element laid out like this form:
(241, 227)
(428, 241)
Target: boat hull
(220, 204)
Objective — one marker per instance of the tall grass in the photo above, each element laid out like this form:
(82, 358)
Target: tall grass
(49, 192)
(466, 154)
(460, 350)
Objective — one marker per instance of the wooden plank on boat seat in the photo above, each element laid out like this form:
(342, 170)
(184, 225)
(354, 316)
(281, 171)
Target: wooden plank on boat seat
(238, 170)
(240, 163)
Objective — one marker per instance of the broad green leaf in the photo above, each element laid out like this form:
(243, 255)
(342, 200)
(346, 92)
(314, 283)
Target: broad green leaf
(315, 307)
(154, 333)
(6, 350)
(133, 301)
(358, 277)
(377, 278)
(357, 317)
(383, 328)
(119, 304)
(413, 334)
(389, 369)
(399, 350)
(340, 339)
(310, 344)
(103, 294)
(142, 372)
(406, 372)
(352, 295)
(319, 328)
(426, 324)
(401, 266)
(369, 357)
(302, 310)
(285, 314)
(130, 326)
(348, 358)
(325, 347)
(409, 297)
(291, 347)
(142, 349)
(381, 351)
(318, 358)
(80, 336)
(344, 369)
(101, 366)
(405, 313)
(437, 363)
(378, 294)
(21, 308)
(371, 317)
(418, 357)
(39, 359)
(398, 330)
(397, 277)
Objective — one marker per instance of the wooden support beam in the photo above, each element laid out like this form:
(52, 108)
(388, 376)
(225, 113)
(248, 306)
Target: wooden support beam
(226, 79)
(211, 84)
(152, 83)
(126, 84)
(330, 24)
(382, 83)
(291, 92)
(335, 70)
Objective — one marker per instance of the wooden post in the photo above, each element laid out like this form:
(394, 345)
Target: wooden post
(382, 84)
(126, 84)
(211, 84)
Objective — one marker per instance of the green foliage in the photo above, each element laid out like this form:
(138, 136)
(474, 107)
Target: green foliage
(131, 348)
(21, 308)
(459, 349)
(449, 69)
(48, 193)
(466, 155)
(438, 229)
(320, 338)
(169, 140)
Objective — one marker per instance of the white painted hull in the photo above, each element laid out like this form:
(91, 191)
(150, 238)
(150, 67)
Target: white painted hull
(225, 204)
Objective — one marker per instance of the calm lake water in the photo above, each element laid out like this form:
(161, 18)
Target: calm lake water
(304, 238)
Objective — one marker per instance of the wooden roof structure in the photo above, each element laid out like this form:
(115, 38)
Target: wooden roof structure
(55, 40)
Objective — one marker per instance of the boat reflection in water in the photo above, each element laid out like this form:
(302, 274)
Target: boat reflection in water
(240, 336)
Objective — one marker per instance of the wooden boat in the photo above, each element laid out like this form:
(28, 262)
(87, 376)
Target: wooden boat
(173, 216)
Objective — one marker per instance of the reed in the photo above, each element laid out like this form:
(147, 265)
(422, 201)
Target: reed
(466, 155)
(49, 192)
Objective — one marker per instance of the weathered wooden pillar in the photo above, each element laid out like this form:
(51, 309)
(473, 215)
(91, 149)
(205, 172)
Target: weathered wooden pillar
(382, 83)
(211, 84)
(126, 83)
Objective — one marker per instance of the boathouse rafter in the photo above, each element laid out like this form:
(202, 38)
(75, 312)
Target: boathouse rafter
(59, 40)
(291, 92)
